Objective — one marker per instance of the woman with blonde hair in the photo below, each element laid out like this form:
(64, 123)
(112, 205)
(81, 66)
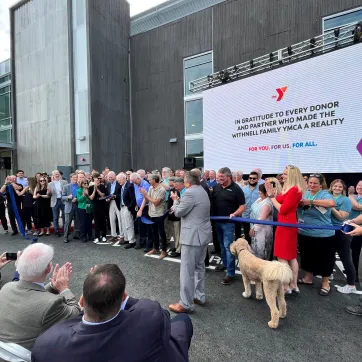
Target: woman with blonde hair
(285, 243)
(343, 241)
(317, 246)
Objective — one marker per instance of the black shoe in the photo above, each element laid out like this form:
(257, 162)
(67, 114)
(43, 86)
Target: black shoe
(66, 240)
(130, 246)
(58, 234)
(84, 240)
(220, 268)
(227, 280)
(174, 254)
(213, 252)
(357, 310)
(172, 249)
(76, 237)
(14, 233)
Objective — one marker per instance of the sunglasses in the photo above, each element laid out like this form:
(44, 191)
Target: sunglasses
(317, 175)
(290, 166)
(253, 178)
(41, 180)
(85, 183)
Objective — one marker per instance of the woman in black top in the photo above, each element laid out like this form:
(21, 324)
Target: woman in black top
(28, 203)
(99, 208)
(42, 209)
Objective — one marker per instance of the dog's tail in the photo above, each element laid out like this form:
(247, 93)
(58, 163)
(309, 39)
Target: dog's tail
(278, 271)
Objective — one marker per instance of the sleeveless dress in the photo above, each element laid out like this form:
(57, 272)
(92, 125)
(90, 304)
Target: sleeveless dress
(42, 211)
(285, 243)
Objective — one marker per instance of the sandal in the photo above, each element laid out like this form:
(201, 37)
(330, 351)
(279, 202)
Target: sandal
(301, 281)
(324, 292)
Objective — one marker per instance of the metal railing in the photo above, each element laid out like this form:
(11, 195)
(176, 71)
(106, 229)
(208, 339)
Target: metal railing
(330, 40)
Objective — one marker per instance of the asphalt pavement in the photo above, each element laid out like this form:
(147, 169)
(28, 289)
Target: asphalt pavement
(229, 327)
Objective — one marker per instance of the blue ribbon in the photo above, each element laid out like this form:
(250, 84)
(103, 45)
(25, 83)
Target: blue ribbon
(16, 212)
(345, 228)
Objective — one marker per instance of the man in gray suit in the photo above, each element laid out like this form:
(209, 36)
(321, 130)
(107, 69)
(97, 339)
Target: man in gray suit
(69, 198)
(194, 211)
(56, 189)
(28, 308)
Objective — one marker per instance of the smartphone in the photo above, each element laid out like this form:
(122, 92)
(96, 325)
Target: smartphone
(346, 228)
(11, 256)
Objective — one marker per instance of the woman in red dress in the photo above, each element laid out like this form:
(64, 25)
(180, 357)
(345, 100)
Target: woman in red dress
(285, 243)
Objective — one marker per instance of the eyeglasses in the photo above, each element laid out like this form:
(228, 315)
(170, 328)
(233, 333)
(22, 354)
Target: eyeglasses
(41, 180)
(290, 166)
(100, 178)
(253, 178)
(85, 183)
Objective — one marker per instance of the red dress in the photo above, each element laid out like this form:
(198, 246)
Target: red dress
(285, 243)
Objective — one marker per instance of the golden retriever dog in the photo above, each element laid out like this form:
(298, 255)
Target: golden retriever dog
(270, 275)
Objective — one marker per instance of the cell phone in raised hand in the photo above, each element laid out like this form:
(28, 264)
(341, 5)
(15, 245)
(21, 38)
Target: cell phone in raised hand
(11, 256)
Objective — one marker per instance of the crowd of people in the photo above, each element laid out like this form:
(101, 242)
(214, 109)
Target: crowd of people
(176, 205)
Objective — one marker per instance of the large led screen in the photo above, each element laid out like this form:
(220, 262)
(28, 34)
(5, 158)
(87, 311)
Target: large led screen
(307, 114)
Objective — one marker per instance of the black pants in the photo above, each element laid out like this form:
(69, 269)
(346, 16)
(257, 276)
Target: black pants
(181, 326)
(28, 215)
(100, 223)
(246, 227)
(3, 218)
(343, 244)
(317, 255)
(158, 233)
(12, 216)
(356, 250)
(215, 240)
(237, 230)
(86, 224)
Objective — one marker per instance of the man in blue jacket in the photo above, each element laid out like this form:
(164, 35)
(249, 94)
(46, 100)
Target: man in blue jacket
(108, 331)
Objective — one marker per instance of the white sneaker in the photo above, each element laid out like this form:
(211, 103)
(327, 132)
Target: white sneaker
(96, 241)
(104, 240)
(346, 289)
(6, 231)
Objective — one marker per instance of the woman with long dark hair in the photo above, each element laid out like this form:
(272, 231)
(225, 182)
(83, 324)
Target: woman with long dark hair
(343, 241)
(42, 210)
(28, 203)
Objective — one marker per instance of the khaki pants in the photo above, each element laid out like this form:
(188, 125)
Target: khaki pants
(176, 225)
(168, 229)
(113, 214)
(127, 224)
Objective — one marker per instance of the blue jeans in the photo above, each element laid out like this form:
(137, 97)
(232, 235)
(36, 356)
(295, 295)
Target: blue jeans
(56, 211)
(225, 234)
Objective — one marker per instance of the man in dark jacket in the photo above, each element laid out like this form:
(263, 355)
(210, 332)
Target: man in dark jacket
(103, 333)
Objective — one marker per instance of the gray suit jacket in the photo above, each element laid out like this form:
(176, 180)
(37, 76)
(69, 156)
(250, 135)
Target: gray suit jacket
(194, 211)
(51, 187)
(67, 190)
(27, 310)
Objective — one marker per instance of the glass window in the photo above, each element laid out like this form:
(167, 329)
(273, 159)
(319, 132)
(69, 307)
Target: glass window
(5, 136)
(195, 148)
(5, 90)
(193, 114)
(206, 58)
(343, 19)
(196, 68)
(4, 106)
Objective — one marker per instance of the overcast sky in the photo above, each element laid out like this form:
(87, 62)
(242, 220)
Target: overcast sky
(137, 6)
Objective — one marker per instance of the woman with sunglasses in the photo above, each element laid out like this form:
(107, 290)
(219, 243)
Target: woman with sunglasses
(343, 241)
(356, 200)
(317, 247)
(85, 209)
(286, 203)
(42, 211)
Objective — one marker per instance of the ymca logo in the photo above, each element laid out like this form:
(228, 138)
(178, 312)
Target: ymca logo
(281, 91)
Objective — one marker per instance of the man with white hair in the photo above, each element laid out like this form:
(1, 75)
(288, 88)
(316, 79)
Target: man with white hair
(127, 222)
(56, 189)
(260, 175)
(113, 193)
(142, 174)
(28, 307)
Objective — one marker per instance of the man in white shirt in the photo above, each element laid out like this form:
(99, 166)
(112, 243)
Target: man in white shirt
(20, 179)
